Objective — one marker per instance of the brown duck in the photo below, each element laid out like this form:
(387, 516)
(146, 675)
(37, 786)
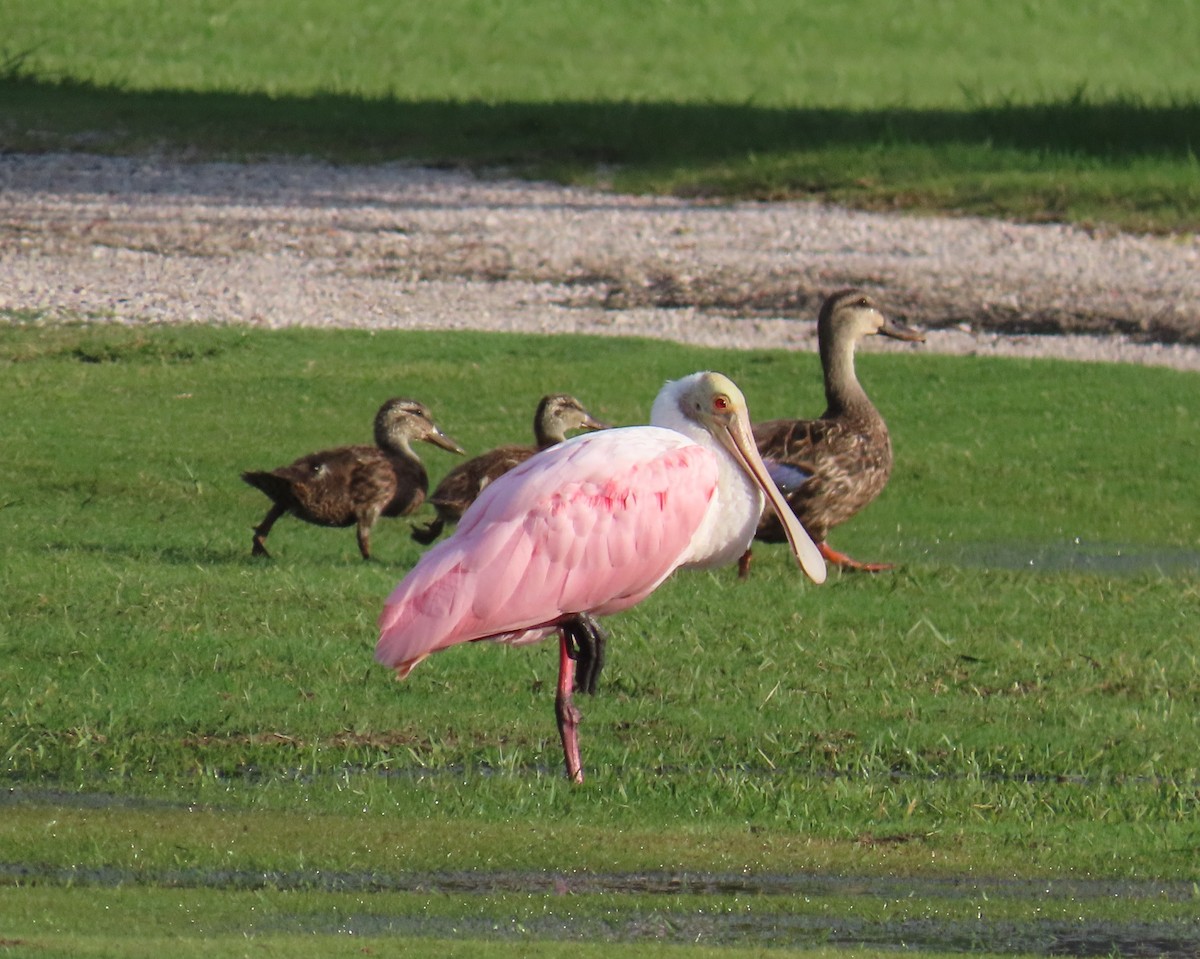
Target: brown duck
(830, 468)
(355, 485)
(556, 414)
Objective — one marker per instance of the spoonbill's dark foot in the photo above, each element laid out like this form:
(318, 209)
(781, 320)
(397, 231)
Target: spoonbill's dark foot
(586, 642)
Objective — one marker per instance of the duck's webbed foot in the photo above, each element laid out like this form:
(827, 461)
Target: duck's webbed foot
(586, 640)
(429, 532)
(835, 558)
(364, 540)
(259, 546)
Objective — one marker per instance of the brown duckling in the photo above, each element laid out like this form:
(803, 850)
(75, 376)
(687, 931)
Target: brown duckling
(355, 485)
(830, 468)
(556, 414)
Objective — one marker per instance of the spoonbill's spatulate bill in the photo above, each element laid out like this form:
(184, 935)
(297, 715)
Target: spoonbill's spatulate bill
(588, 528)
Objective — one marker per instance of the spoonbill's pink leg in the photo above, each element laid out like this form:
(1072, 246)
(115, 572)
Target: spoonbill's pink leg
(580, 658)
(565, 708)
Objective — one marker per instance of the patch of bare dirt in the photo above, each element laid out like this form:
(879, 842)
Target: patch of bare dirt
(300, 243)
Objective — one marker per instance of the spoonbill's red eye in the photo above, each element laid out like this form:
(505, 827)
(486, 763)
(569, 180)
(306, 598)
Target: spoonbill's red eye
(720, 403)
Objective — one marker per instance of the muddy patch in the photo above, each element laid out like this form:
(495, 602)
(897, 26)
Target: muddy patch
(755, 924)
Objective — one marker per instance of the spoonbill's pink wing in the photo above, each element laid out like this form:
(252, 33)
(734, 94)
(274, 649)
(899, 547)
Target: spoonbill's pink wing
(592, 525)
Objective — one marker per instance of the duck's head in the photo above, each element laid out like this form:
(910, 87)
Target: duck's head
(558, 413)
(401, 422)
(849, 315)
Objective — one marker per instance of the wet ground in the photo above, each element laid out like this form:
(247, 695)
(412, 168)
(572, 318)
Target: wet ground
(1057, 917)
(1114, 559)
(760, 925)
(760, 909)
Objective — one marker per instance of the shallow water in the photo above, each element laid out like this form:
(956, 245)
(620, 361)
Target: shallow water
(1073, 556)
(744, 926)
(1049, 938)
(478, 882)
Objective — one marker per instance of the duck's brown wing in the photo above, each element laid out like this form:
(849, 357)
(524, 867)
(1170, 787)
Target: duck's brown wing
(331, 487)
(465, 482)
(848, 464)
(792, 442)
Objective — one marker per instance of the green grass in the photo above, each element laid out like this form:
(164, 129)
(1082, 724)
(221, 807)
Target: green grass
(200, 753)
(302, 921)
(1066, 111)
(172, 704)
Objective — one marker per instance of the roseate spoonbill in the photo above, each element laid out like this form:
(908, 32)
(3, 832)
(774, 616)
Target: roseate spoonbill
(556, 414)
(830, 468)
(588, 528)
(355, 485)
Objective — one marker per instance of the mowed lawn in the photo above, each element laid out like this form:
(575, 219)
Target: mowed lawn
(1033, 643)
(199, 748)
(990, 749)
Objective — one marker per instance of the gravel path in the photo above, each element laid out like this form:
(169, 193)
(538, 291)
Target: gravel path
(303, 243)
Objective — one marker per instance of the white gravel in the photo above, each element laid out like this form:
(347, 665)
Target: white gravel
(303, 243)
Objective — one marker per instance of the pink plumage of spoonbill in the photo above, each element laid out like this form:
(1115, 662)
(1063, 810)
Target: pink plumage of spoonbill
(589, 528)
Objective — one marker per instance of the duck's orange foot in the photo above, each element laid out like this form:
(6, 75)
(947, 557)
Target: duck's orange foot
(834, 558)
